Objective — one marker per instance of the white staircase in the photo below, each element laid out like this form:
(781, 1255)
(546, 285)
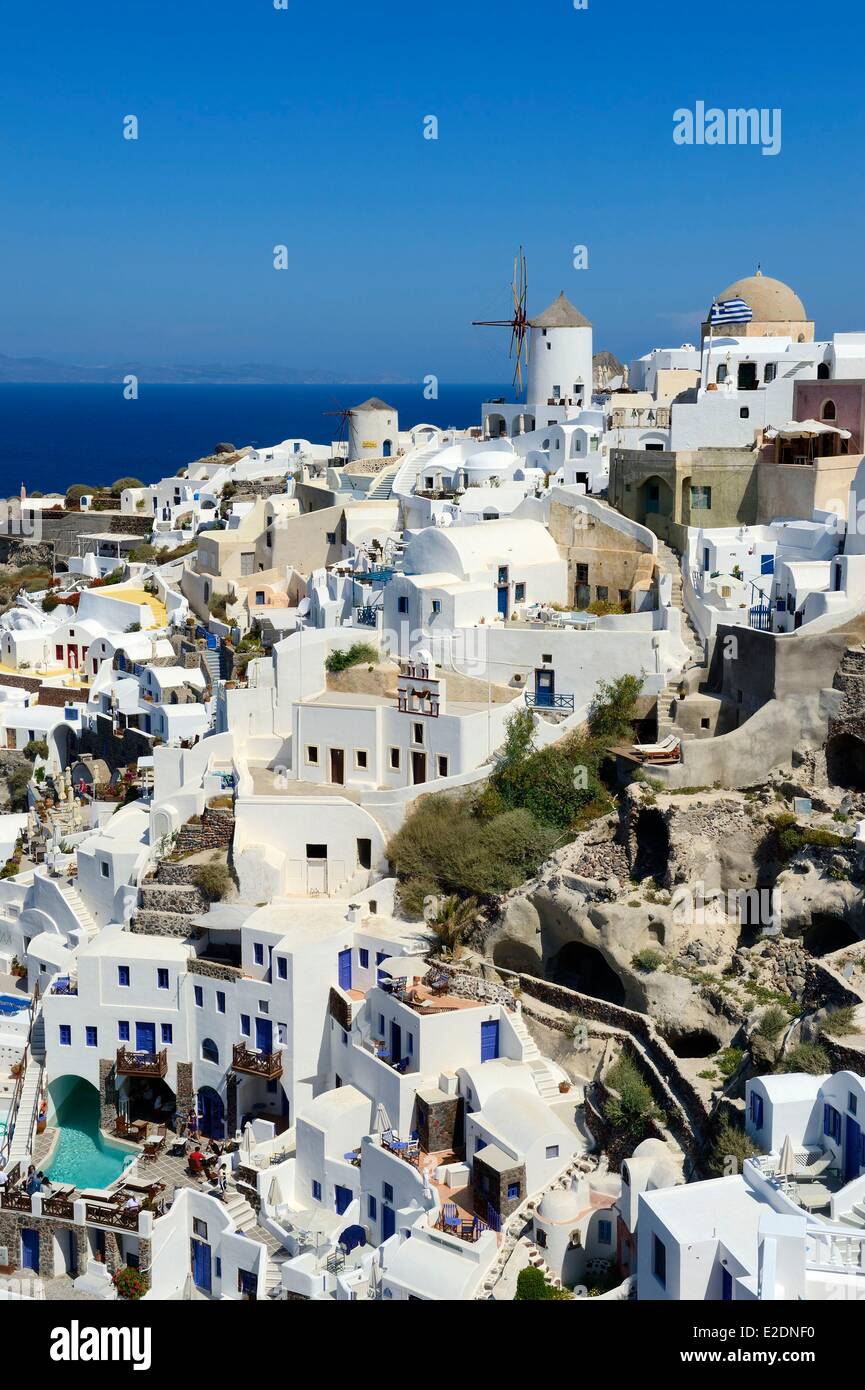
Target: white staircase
(78, 908)
(25, 1120)
(855, 1216)
(241, 1212)
(530, 1047)
(546, 1084)
(669, 562)
(383, 486)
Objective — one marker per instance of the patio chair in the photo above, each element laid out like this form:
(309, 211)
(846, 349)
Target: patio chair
(450, 1216)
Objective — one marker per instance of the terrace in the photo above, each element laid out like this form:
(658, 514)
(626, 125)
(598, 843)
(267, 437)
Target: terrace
(252, 1063)
(149, 1064)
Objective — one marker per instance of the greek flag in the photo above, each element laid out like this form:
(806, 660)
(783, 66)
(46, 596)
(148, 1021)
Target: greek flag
(731, 311)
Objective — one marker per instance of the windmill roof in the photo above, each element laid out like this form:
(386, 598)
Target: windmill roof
(374, 403)
(560, 314)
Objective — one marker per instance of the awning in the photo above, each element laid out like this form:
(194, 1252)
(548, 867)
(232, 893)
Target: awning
(801, 429)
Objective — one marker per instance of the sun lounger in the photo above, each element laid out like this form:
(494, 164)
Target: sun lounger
(666, 751)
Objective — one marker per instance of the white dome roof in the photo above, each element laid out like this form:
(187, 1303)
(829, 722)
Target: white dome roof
(561, 1204)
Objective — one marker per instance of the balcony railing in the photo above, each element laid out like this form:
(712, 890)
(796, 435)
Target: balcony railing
(266, 1064)
(17, 1201)
(544, 699)
(141, 1063)
(366, 616)
(112, 1216)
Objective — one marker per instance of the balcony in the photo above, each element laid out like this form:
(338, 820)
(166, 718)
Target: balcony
(546, 699)
(265, 1064)
(141, 1063)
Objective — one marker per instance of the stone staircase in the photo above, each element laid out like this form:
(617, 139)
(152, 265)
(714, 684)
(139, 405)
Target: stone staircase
(670, 562)
(854, 1217)
(245, 1220)
(25, 1120)
(215, 830)
(241, 1211)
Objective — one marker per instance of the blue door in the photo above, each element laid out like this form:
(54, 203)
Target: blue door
(264, 1034)
(395, 1043)
(852, 1149)
(726, 1285)
(489, 1040)
(145, 1037)
(345, 969)
(201, 1277)
(388, 1221)
(503, 601)
(30, 1250)
(545, 688)
(212, 1112)
(342, 1197)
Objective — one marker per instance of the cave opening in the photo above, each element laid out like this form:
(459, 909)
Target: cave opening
(694, 1042)
(653, 846)
(584, 968)
(518, 956)
(845, 762)
(827, 933)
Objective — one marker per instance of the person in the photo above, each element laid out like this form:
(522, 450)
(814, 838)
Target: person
(34, 1184)
(191, 1123)
(47, 1186)
(196, 1161)
(222, 1182)
(132, 1203)
(4, 1178)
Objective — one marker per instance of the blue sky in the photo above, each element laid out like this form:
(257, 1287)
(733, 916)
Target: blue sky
(304, 127)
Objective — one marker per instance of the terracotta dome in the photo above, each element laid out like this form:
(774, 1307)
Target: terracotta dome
(770, 301)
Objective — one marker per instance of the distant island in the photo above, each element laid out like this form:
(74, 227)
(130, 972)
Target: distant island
(43, 371)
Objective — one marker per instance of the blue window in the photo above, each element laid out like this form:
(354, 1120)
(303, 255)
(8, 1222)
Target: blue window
(767, 564)
(199, 996)
(344, 1038)
(832, 1123)
(851, 1102)
(756, 1110)
(220, 1001)
(552, 1151)
(167, 1033)
(371, 1208)
(123, 975)
(244, 1025)
(402, 604)
(316, 1191)
(65, 1035)
(519, 593)
(123, 1031)
(513, 1191)
(363, 957)
(162, 979)
(659, 1261)
(258, 953)
(342, 1199)
(605, 1232)
(282, 967)
(90, 1036)
(387, 1191)
(409, 1043)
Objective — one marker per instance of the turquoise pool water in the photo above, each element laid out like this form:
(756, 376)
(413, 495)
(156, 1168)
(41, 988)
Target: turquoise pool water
(81, 1155)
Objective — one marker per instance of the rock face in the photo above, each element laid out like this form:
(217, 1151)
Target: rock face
(606, 368)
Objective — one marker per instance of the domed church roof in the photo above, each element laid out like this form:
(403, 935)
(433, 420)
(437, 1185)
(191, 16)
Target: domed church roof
(770, 301)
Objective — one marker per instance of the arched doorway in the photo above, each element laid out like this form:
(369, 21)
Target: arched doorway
(386, 449)
(147, 1098)
(211, 1109)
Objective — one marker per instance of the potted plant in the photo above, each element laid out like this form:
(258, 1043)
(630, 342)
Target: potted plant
(129, 1283)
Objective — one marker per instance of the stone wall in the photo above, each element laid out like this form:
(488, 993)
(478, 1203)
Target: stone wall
(107, 1094)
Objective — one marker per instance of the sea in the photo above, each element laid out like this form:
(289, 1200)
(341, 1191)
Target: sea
(52, 436)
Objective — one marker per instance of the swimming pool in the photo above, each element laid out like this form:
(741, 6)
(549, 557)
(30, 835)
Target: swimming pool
(81, 1154)
(12, 1004)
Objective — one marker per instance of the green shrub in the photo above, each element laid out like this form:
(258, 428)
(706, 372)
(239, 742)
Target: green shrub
(77, 491)
(453, 920)
(219, 606)
(35, 748)
(632, 1111)
(772, 1023)
(358, 654)
(648, 960)
(809, 1057)
(414, 894)
(730, 1148)
(121, 484)
(463, 853)
(838, 1023)
(729, 1061)
(214, 880)
(17, 782)
(532, 1287)
(612, 710)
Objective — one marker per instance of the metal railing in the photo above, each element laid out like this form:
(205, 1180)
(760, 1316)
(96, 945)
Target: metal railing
(266, 1064)
(540, 699)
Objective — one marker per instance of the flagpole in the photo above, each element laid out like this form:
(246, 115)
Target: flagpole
(709, 353)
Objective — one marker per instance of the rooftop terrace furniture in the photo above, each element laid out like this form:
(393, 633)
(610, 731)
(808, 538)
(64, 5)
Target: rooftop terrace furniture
(667, 751)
